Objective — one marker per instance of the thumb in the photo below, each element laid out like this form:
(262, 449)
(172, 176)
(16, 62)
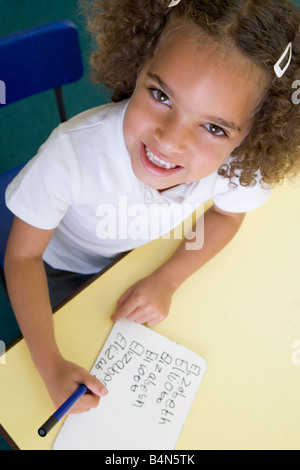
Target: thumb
(95, 386)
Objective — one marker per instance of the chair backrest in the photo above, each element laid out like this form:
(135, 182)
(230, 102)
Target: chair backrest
(32, 61)
(39, 59)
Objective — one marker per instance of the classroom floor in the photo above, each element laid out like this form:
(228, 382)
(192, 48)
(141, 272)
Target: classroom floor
(26, 125)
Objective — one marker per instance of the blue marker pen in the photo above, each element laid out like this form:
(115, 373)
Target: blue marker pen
(62, 410)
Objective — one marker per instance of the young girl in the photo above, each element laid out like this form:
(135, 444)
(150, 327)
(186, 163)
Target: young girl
(202, 110)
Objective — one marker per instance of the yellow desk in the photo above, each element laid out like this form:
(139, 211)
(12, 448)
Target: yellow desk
(241, 312)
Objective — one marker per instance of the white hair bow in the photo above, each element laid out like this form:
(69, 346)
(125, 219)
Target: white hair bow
(173, 3)
(280, 71)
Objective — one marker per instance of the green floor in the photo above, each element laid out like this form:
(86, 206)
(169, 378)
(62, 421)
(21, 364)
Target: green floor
(24, 126)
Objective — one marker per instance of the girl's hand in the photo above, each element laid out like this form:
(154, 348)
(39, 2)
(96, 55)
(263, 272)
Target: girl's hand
(64, 378)
(147, 301)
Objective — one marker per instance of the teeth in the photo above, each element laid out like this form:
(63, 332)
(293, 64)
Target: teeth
(158, 161)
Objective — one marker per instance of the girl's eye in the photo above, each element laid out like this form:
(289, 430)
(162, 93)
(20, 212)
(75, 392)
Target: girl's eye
(160, 96)
(215, 130)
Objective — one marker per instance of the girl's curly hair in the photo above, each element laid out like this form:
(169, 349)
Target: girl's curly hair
(127, 32)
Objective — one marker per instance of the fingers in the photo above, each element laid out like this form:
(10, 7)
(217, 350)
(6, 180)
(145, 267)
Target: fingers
(140, 315)
(89, 401)
(91, 398)
(151, 317)
(133, 311)
(125, 297)
(95, 386)
(147, 301)
(86, 403)
(126, 306)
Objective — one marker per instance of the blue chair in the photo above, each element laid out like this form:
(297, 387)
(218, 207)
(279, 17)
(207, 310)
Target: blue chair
(39, 59)
(32, 61)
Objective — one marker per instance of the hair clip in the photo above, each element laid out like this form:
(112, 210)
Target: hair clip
(173, 3)
(281, 71)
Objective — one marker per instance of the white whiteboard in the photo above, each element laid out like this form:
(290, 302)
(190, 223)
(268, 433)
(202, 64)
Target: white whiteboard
(152, 382)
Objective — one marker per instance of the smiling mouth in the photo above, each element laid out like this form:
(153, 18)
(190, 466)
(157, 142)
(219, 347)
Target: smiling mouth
(157, 161)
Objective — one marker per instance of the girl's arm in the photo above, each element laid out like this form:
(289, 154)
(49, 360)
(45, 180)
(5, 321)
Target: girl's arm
(148, 300)
(28, 291)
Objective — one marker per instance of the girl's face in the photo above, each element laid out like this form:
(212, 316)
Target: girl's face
(192, 106)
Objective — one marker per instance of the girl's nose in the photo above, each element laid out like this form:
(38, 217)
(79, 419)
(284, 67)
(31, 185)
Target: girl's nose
(172, 136)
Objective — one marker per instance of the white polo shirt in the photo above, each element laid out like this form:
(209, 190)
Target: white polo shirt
(82, 184)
